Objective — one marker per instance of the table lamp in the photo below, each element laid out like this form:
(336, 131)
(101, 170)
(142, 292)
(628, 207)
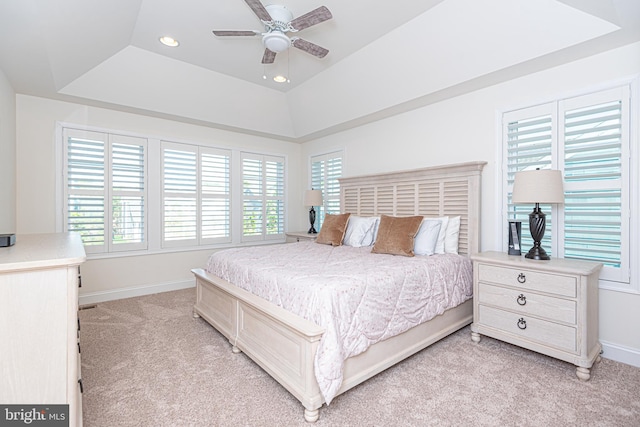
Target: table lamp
(312, 198)
(537, 186)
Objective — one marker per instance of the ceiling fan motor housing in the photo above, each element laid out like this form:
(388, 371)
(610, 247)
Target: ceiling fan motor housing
(280, 15)
(274, 39)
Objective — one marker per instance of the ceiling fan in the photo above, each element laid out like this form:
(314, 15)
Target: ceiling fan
(278, 21)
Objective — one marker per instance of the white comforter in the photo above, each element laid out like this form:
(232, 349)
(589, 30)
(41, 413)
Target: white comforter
(358, 297)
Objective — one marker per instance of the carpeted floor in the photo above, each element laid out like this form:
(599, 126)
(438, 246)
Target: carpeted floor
(147, 362)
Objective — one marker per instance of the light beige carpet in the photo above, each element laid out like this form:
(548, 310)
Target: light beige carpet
(147, 362)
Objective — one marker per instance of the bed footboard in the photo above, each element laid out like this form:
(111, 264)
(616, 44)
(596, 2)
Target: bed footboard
(282, 344)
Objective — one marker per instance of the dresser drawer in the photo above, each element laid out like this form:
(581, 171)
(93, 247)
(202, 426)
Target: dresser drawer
(530, 303)
(527, 279)
(529, 328)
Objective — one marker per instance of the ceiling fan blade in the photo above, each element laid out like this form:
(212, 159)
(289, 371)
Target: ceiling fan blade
(226, 33)
(259, 9)
(268, 57)
(314, 17)
(309, 47)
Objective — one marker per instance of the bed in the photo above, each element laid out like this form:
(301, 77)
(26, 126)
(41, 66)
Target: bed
(285, 344)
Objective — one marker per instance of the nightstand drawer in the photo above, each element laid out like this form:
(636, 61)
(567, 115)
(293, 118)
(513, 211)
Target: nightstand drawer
(529, 328)
(525, 302)
(526, 279)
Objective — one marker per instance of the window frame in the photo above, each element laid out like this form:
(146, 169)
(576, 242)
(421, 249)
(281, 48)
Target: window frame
(108, 193)
(198, 194)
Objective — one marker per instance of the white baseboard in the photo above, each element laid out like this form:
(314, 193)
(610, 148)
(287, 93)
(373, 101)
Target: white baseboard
(103, 296)
(630, 356)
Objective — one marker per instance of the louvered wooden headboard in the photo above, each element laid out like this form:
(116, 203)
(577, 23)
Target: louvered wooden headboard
(449, 190)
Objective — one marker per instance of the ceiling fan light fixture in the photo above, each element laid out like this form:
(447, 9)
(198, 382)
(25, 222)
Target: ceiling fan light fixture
(276, 41)
(169, 41)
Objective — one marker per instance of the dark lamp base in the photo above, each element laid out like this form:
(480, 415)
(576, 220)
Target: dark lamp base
(537, 223)
(537, 252)
(312, 220)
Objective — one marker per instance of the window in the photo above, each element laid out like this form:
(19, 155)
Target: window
(262, 197)
(105, 190)
(325, 171)
(196, 195)
(127, 195)
(588, 139)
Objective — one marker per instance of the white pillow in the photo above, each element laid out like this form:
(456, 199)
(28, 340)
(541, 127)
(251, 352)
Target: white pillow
(375, 229)
(448, 235)
(425, 241)
(441, 234)
(360, 231)
(452, 236)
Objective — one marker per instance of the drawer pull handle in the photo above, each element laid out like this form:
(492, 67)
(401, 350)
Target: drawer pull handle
(522, 300)
(522, 278)
(522, 324)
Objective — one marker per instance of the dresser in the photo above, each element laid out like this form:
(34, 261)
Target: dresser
(40, 351)
(550, 307)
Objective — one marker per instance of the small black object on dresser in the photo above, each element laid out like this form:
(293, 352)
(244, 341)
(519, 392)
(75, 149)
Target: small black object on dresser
(7, 240)
(515, 235)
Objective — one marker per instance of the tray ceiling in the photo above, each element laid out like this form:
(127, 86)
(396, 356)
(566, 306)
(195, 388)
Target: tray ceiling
(383, 57)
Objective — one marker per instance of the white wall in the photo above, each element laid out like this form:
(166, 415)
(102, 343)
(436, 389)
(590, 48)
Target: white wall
(467, 128)
(7, 157)
(106, 278)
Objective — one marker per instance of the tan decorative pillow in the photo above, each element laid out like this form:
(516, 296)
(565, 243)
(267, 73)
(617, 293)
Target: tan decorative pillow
(395, 235)
(333, 229)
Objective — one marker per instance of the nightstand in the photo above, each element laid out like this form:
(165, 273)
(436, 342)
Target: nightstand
(299, 236)
(550, 307)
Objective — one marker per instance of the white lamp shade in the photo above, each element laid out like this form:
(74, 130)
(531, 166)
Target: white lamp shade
(313, 198)
(538, 186)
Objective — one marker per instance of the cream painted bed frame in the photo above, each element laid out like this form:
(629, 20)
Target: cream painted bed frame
(284, 345)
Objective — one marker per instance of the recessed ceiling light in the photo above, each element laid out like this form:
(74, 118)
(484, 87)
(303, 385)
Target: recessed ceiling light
(169, 41)
(280, 79)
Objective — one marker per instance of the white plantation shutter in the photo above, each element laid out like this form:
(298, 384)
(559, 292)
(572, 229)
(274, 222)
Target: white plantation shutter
(128, 193)
(262, 197)
(274, 197)
(530, 142)
(196, 195)
(105, 190)
(594, 153)
(179, 201)
(325, 171)
(252, 201)
(215, 205)
(85, 187)
(587, 138)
